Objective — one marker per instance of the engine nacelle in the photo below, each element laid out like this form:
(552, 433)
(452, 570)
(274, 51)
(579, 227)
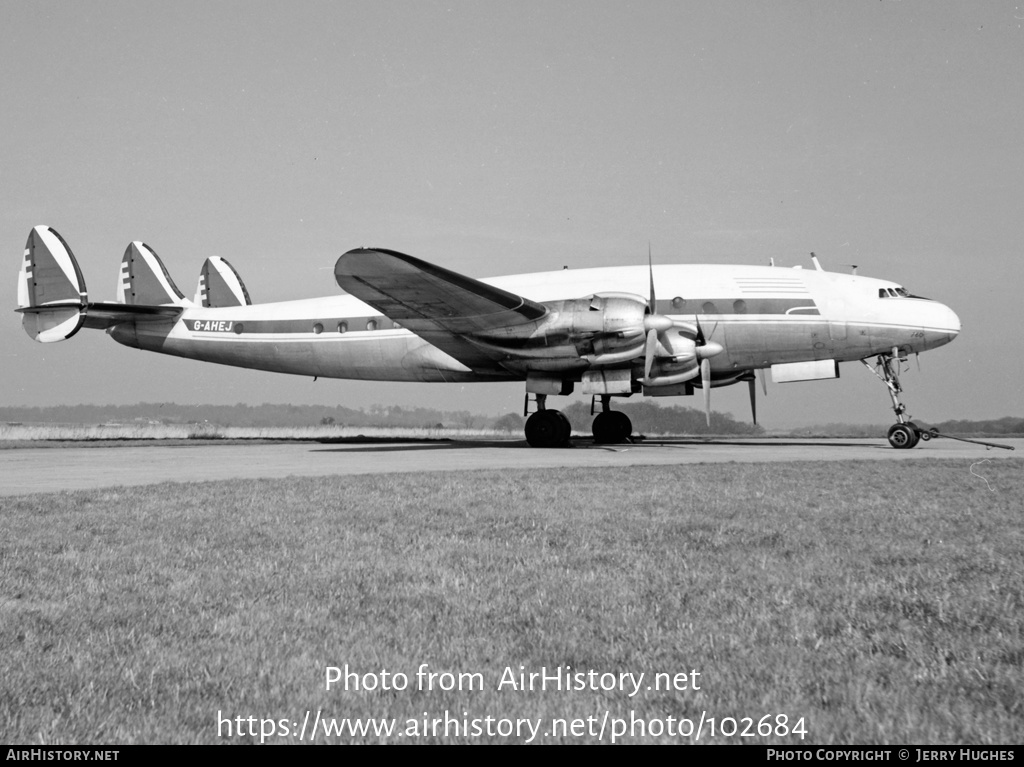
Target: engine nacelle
(606, 327)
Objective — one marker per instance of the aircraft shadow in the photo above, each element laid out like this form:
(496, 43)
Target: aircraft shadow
(354, 445)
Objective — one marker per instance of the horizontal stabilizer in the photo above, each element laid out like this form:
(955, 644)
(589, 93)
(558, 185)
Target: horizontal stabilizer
(51, 289)
(99, 315)
(220, 285)
(144, 279)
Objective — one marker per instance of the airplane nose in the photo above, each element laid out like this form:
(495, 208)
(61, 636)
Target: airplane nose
(951, 322)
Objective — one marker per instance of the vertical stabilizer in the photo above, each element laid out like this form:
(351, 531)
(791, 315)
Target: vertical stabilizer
(144, 279)
(51, 289)
(220, 285)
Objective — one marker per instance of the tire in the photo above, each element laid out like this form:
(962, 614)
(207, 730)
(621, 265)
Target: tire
(612, 426)
(902, 437)
(547, 428)
(604, 428)
(623, 426)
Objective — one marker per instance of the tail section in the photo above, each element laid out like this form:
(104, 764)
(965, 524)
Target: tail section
(145, 281)
(220, 285)
(53, 301)
(51, 290)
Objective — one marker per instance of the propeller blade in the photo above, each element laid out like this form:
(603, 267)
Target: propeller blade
(705, 383)
(653, 303)
(649, 350)
(753, 399)
(700, 332)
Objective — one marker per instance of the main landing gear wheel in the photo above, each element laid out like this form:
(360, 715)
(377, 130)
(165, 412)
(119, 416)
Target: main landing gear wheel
(902, 437)
(612, 426)
(548, 428)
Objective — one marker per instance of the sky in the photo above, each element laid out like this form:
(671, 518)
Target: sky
(496, 138)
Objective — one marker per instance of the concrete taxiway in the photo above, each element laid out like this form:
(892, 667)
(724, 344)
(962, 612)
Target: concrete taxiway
(31, 469)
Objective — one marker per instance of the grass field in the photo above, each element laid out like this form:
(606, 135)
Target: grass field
(877, 603)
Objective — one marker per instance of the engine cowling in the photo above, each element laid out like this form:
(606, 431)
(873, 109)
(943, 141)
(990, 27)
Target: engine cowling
(608, 328)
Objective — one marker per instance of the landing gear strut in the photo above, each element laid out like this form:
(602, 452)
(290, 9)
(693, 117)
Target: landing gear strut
(903, 434)
(611, 426)
(547, 428)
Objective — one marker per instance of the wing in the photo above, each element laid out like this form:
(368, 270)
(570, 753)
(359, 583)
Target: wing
(440, 306)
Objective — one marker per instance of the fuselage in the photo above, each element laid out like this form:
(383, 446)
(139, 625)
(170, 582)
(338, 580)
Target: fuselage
(760, 315)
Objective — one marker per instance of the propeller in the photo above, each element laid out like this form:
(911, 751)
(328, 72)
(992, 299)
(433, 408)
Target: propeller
(649, 351)
(656, 324)
(705, 385)
(705, 350)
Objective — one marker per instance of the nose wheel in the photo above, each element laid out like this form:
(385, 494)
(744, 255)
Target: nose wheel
(903, 436)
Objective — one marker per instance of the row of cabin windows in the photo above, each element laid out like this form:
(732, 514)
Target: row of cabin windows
(739, 306)
(343, 326)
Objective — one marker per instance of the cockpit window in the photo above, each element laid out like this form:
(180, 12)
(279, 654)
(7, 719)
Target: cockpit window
(899, 292)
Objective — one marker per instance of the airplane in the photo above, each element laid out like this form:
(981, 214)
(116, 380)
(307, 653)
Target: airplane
(603, 329)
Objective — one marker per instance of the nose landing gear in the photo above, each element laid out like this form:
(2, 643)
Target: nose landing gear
(903, 434)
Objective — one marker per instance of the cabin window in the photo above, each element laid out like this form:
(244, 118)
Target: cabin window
(678, 302)
(318, 328)
(371, 324)
(342, 327)
(709, 307)
(739, 306)
(239, 327)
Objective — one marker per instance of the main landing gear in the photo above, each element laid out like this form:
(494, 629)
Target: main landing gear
(550, 428)
(904, 434)
(610, 426)
(547, 428)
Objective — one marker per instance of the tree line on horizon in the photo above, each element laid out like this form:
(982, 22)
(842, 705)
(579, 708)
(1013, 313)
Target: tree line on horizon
(647, 418)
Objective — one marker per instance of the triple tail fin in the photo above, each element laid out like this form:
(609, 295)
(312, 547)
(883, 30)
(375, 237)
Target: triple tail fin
(220, 285)
(54, 303)
(145, 281)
